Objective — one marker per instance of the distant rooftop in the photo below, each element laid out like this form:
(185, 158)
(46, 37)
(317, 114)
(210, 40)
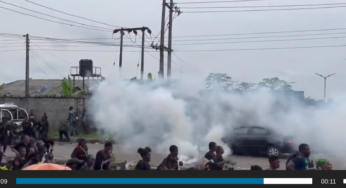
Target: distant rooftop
(39, 87)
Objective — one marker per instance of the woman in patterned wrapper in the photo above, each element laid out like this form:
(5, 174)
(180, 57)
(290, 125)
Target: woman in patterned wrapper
(144, 164)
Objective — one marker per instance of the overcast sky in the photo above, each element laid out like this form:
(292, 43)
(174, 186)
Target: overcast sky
(293, 65)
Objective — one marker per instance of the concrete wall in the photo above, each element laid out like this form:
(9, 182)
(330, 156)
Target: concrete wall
(56, 108)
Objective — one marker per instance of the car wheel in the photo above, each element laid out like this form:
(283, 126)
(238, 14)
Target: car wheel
(273, 151)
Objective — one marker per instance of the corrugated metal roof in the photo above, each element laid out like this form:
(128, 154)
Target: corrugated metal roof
(38, 87)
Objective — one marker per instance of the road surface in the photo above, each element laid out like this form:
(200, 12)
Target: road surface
(62, 151)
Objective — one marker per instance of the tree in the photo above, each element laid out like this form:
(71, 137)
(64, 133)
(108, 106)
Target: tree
(150, 76)
(274, 84)
(246, 86)
(67, 90)
(218, 81)
(2, 88)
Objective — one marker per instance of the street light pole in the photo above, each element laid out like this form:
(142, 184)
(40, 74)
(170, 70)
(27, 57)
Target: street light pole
(325, 83)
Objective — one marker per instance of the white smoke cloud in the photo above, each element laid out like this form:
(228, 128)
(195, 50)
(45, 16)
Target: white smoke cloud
(157, 115)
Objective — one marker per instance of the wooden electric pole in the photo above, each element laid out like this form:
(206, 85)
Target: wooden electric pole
(27, 65)
(170, 24)
(134, 30)
(162, 40)
(121, 48)
(142, 53)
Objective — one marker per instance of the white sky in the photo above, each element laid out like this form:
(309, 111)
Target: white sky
(294, 65)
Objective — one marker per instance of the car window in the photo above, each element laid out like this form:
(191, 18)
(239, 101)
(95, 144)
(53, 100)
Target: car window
(241, 131)
(258, 131)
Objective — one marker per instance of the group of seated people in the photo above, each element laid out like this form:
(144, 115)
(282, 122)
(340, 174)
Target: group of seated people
(29, 152)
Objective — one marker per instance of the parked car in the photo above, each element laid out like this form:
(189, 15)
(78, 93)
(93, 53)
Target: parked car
(258, 140)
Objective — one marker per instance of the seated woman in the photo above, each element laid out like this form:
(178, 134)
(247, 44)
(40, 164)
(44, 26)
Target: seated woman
(220, 162)
(145, 154)
(171, 162)
(80, 153)
(104, 157)
(323, 164)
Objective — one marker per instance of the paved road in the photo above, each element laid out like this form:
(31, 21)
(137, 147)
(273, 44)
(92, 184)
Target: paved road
(62, 151)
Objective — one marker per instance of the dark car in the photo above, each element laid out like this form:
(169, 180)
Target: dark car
(258, 140)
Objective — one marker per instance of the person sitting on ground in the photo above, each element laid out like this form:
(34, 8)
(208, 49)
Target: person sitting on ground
(144, 164)
(304, 153)
(80, 153)
(20, 160)
(171, 162)
(89, 163)
(211, 156)
(8, 165)
(219, 158)
(48, 143)
(323, 164)
(274, 163)
(104, 157)
(73, 164)
(24, 143)
(255, 167)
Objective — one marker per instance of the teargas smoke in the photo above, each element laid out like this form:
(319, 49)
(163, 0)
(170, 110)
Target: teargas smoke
(157, 114)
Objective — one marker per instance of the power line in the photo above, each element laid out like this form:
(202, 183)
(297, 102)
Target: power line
(46, 63)
(92, 26)
(53, 55)
(210, 2)
(185, 63)
(71, 14)
(262, 49)
(38, 65)
(81, 50)
(12, 50)
(72, 25)
(262, 33)
(271, 6)
(259, 41)
(224, 11)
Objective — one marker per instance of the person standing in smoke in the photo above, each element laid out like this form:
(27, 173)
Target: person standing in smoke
(211, 156)
(171, 162)
(146, 157)
(304, 154)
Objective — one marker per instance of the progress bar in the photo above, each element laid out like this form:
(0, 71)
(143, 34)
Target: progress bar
(162, 181)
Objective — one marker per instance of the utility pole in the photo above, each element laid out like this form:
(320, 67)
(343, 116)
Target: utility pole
(170, 27)
(134, 30)
(121, 48)
(27, 65)
(162, 40)
(325, 83)
(142, 53)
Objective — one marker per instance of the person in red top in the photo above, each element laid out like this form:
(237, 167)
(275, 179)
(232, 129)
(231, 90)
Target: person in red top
(80, 153)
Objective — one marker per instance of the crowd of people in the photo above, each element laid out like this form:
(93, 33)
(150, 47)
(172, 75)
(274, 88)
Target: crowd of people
(35, 148)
